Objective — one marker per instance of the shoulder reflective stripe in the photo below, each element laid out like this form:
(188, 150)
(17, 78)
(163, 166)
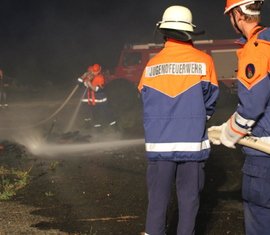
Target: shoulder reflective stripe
(189, 68)
(181, 146)
(242, 121)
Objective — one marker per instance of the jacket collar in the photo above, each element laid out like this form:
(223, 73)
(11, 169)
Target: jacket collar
(253, 32)
(172, 42)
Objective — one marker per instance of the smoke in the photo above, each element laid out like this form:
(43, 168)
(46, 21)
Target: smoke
(20, 123)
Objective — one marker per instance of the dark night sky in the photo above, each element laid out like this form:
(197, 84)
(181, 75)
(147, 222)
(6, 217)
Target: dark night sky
(56, 40)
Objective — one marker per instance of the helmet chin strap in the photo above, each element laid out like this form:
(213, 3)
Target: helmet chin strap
(235, 24)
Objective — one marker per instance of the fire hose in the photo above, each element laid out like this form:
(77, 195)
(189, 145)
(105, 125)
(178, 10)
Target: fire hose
(61, 106)
(248, 141)
(53, 114)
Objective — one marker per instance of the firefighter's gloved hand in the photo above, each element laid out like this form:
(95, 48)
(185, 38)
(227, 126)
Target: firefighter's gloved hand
(231, 132)
(226, 137)
(235, 130)
(86, 84)
(83, 82)
(215, 139)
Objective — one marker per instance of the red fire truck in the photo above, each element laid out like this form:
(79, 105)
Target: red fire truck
(122, 83)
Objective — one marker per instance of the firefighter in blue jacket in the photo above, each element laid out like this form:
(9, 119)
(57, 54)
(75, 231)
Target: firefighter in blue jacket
(179, 89)
(252, 115)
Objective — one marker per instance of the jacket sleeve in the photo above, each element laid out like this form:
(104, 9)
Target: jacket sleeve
(210, 89)
(254, 85)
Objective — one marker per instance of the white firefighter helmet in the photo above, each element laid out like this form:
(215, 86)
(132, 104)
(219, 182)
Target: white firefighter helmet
(177, 18)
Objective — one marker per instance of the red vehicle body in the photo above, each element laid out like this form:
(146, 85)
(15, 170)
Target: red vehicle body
(133, 59)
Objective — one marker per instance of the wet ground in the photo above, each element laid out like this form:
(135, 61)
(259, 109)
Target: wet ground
(102, 191)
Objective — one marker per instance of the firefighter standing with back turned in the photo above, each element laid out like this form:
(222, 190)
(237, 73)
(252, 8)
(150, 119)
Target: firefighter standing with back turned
(252, 115)
(179, 90)
(95, 99)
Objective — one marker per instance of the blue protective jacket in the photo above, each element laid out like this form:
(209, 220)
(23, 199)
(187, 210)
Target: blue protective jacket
(179, 89)
(254, 85)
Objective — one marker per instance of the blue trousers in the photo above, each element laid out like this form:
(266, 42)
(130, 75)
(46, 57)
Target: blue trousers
(256, 195)
(189, 180)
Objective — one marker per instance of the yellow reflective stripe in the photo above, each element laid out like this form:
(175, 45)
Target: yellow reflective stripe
(182, 146)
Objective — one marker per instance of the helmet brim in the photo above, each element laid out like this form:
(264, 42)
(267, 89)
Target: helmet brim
(179, 34)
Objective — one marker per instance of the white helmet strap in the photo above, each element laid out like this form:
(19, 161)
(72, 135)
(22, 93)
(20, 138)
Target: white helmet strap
(248, 11)
(176, 21)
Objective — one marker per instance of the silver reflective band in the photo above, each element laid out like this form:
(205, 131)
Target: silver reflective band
(175, 21)
(96, 100)
(242, 121)
(189, 68)
(169, 147)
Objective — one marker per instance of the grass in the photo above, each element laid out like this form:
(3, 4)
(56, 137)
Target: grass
(12, 180)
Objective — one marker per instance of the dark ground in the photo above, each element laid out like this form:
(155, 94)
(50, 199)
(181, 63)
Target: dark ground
(103, 192)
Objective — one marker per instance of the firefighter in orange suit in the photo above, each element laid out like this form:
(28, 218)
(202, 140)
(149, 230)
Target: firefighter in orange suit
(95, 97)
(252, 115)
(179, 90)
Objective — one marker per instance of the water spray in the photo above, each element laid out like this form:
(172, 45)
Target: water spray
(39, 147)
(75, 114)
